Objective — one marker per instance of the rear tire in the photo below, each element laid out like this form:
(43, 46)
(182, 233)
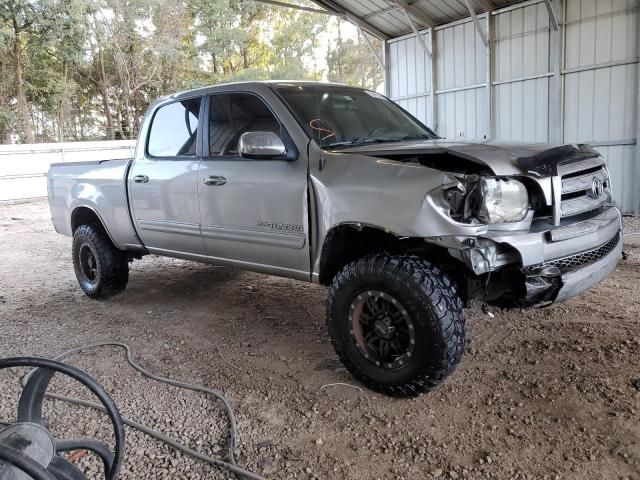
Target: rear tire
(101, 269)
(397, 323)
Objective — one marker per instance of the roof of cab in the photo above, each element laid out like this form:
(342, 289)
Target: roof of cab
(207, 88)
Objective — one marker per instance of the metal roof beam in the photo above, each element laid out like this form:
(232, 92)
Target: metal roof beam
(553, 19)
(426, 49)
(410, 9)
(485, 5)
(476, 22)
(366, 26)
(372, 48)
(380, 12)
(347, 15)
(331, 9)
(276, 3)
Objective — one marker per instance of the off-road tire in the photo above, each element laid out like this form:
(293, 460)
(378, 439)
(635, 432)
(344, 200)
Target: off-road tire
(435, 309)
(111, 265)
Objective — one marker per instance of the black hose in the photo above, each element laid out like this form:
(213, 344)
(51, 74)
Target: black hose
(109, 406)
(162, 437)
(231, 465)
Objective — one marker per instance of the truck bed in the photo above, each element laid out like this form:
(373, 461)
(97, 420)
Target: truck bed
(100, 186)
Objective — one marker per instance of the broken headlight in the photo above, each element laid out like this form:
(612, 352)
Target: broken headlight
(497, 200)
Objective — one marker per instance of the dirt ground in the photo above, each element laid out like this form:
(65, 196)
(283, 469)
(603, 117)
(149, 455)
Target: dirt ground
(545, 394)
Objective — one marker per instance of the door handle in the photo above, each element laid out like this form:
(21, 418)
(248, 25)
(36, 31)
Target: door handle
(215, 181)
(141, 179)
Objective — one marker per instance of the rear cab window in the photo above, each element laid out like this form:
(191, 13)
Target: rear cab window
(174, 129)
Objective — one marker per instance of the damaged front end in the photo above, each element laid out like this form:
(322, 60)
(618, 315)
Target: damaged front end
(542, 285)
(495, 276)
(545, 239)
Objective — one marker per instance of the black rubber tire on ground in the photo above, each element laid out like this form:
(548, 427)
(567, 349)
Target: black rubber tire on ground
(111, 266)
(435, 310)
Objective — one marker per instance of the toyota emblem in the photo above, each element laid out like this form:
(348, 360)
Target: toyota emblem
(597, 187)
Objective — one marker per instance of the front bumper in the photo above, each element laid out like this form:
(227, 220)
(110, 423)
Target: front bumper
(561, 262)
(545, 263)
(544, 243)
(581, 279)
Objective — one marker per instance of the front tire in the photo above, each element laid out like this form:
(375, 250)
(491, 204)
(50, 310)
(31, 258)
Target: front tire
(101, 269)
(397, 323)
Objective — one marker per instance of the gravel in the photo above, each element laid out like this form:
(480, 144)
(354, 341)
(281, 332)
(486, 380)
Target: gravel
(539, 394)
(631, 224)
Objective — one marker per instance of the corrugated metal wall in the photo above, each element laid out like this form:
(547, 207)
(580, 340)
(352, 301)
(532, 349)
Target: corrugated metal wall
(521, 74)
(600, 85)
(587, 95)
(410, 76)
(460, 75)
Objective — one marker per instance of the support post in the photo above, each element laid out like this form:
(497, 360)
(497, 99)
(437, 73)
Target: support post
(434, 102)
(490, 67)
(387, 69)
(636, 160)
(556, 60)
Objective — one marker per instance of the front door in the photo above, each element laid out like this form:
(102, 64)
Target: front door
(253, 212)
(163, 182)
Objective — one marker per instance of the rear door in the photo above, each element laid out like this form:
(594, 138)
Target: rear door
(163, 181)
(253, 212)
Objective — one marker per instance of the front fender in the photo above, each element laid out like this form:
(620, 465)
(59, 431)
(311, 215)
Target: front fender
(388, 195)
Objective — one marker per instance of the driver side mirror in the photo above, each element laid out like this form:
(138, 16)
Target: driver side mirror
(261, 145)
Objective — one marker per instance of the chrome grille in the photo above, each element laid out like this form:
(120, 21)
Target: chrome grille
(573, 262)
(584, 192)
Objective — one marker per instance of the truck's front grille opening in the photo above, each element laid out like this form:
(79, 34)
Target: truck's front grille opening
(581, 172)
(573, 262)
(572, 195)
(584, 191)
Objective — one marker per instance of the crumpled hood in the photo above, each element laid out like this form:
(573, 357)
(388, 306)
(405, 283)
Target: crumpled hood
(502, 158)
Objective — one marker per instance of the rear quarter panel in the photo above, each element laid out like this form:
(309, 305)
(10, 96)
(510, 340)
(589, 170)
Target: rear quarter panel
(100, 186)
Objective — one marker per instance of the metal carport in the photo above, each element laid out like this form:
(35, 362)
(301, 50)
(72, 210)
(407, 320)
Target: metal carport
(559, 71)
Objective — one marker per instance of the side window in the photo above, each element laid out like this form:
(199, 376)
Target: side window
(233, 114)
(174, 130)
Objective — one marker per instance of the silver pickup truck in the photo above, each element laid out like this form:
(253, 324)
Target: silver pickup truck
(340, 186)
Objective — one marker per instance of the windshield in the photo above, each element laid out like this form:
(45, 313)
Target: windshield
(338, 116)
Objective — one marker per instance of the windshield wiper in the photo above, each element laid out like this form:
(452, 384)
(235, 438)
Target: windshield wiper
(361, 141)
(418, 136)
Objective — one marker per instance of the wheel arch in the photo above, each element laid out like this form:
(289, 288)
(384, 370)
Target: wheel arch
(86, 215)
(347, 242)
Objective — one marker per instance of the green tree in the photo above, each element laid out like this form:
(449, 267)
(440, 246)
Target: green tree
(85, 69)
(352, 61)
(19, 21)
